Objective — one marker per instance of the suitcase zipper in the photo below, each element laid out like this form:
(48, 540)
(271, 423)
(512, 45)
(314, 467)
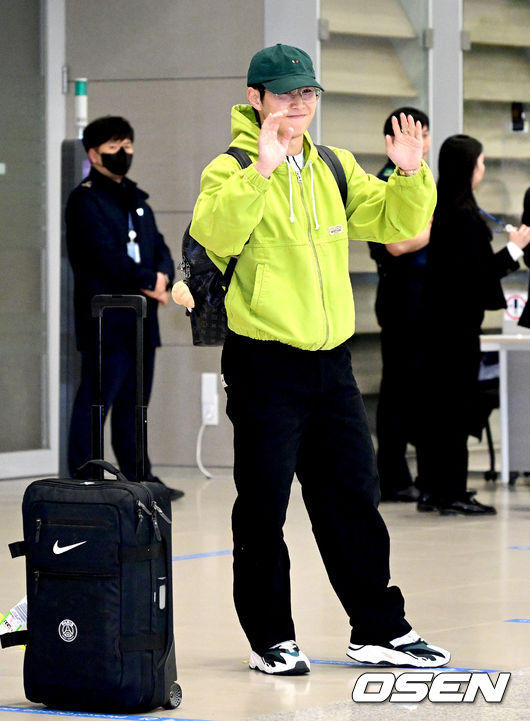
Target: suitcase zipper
(56, 574)
(141, 509)
(153, 512)
(62, 522)
(156, 509)
(161, 512)
(72, 522)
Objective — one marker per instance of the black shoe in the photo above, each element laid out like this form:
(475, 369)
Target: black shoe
(467, 507)
(408, 650)
(427, 503)
(410, 494)
(174, 493)
(284, 658)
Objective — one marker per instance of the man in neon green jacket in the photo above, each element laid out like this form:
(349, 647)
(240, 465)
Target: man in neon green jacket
(291, 394)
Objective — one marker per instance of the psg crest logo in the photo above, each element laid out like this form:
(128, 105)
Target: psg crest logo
(67, 630)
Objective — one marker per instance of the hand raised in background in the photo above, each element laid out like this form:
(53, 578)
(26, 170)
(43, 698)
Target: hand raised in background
(405, 147)
(520, 236)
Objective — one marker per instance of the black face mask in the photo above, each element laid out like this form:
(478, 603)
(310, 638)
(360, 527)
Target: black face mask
(118, 163)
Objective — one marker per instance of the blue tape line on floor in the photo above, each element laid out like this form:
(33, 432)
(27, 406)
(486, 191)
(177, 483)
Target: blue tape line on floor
(517, 620)
(519, 548)
(317, 661)
(201, 555)
(122, 717)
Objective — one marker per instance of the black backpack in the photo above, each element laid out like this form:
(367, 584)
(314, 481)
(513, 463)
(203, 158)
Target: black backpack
(207, 284)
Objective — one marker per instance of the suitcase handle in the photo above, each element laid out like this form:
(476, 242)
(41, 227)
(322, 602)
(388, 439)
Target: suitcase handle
(139, 304)
(136, 302)
(101, 463)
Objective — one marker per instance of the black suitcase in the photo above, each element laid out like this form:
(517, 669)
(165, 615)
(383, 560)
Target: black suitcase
(99, 579)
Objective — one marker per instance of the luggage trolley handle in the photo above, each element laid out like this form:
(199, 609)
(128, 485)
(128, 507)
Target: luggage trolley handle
(106, 466)
(138, 303)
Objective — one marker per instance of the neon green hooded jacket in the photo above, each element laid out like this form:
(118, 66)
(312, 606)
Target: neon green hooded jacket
(291, 283)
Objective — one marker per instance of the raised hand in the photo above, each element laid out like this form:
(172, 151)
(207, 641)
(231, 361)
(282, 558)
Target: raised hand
(520, 236)
(272, 144)
(405, 148)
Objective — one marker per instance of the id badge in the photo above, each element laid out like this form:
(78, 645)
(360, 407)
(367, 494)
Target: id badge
(133, 249)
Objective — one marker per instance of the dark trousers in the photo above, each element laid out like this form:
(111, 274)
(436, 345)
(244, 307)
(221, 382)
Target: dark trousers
(301, 412)
(449, 396)
(398, 408)
(119, 392)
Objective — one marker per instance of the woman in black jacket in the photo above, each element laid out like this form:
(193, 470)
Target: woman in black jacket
(462, 282)
(524, 320)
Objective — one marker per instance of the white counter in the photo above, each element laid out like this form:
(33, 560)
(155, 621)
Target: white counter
(514, 400)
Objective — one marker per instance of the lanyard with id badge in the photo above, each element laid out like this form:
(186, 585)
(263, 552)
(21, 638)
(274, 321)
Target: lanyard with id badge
(133, 249)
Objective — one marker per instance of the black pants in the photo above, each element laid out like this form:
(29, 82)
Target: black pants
(449, 397)
(398, 408)
(301, 412)
(119, 392)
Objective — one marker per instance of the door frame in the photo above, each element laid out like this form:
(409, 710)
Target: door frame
(44, 461)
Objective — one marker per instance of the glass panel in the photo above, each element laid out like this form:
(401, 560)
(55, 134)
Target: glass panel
(22, 238)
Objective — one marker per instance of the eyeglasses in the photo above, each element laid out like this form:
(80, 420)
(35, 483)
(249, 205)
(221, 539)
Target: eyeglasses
(308, 95)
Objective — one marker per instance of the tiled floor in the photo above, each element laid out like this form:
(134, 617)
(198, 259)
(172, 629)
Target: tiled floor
(466, 582)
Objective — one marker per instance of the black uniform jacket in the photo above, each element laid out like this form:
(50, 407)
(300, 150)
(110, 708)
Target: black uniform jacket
(399, 299)
(524, 320)
(463, 272)
(99, 215)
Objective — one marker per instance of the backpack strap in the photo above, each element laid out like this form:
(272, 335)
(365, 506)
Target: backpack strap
(334, 164)
(229, 271)
(240, 155)
(244, 161)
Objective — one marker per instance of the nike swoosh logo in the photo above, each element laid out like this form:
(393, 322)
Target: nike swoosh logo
(63, 549)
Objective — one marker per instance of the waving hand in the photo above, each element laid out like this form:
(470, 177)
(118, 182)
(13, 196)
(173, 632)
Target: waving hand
(405, 148)
(272, 145)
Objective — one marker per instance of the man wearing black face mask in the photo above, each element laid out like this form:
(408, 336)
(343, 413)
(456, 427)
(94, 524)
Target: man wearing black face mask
(114, 247)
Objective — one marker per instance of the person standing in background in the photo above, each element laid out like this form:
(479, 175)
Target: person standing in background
(524, 320)
(526, 208)
(400, 312)
(114, 246)
(462, 282)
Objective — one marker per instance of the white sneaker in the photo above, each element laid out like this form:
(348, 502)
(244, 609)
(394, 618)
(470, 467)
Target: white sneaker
(284, 659)
(407, 650)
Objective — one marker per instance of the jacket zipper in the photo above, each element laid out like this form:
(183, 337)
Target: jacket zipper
(312, 244)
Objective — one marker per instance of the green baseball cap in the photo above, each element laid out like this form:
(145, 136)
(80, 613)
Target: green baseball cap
(281, 68)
